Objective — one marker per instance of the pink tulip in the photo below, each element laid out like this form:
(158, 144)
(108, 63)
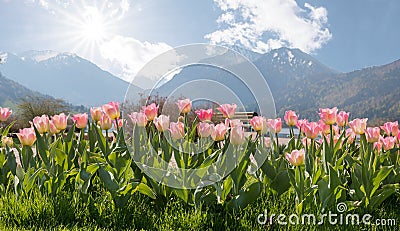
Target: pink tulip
(388, 142)
(275, 125)
(204, 129)
(162, 123)
(325, 128)
(372, 134)
(52, 128)
(96, 113)
(27, 136)
(300, 124)
(177, 130)
(204, 115)
(151, 111)
(378, 146)
(342, 118)
(227, 110)
(105, 122)
(359, 125)
(219, 131)
(237, 135)
(184, 105)
(4, 114)
(257, 122)
(328, 115)
(138, 118)
(120, 123)
(60, 121)
(234, 123)
(350, 135)
(311, 130)
(7, 141)
(296, 157)
(80, 120)
(291, 118)
(112, 110)
(42, 123)
(391, 128)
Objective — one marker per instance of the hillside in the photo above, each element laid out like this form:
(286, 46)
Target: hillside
(11, 92)
(372, 92)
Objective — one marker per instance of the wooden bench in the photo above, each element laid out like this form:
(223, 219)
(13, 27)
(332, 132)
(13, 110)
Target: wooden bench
(244, 117)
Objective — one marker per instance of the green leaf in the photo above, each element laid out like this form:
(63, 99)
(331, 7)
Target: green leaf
(380, 176)
(108, 179)
(146, 190)
(246, 196)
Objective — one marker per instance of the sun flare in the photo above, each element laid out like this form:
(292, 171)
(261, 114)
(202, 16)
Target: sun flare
(93, 25)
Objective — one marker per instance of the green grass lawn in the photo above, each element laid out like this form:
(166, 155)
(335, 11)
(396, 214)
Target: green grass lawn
(143, 213)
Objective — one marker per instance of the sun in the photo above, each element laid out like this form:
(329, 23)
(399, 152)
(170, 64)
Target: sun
(93, 25)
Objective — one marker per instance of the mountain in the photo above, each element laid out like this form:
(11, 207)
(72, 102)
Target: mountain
(373, 92)
(281, 68)
(300, 82)
(64, 75)
(11, 91)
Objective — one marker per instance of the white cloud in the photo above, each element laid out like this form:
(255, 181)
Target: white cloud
(265, 25)
(130, 54)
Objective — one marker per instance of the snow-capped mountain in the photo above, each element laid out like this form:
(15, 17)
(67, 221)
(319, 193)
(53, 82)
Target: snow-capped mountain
(280, 68)
(64, 75)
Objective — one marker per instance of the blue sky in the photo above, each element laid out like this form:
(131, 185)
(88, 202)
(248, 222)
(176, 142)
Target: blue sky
(121, 35)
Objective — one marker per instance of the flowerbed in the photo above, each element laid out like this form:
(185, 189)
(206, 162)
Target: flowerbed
(330, 161)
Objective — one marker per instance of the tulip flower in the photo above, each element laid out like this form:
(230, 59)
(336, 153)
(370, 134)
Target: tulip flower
(52, 128)
(80, 120)
(60, 121)
(184, 105)
(311, 130)
(177, 130)
(162, 123)
(391, 128)
(296, 157)
(151, 111)
(42, 123)
(291, 118)
(4, 114)
(96, 113)
(372, 134)
(219, 131)
(300, 124)
(138, 118)
(328, 115)
(342, 118)
(227, 110)
(237, 135)
(358, 125)
(204, 129)
(388, 142)
(119, 123)
(335, 139)
(112, 110)
(27, 136)
(275, 125)
(257, 123)
(7, 141)
(350, 135)
(325, 128)
(234, 123)
(204, 115)
(105, 122)
(378, 146)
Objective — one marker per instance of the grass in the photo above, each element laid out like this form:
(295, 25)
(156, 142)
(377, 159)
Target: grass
(143, 213)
